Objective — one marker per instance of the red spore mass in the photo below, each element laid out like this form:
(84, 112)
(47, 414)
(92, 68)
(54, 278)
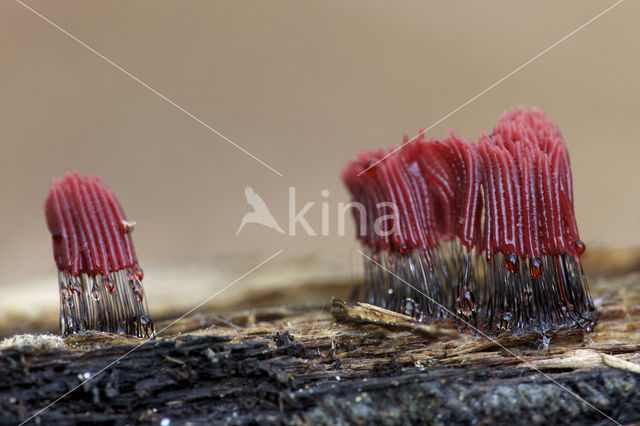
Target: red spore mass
(85, 220)
(97, 264)
(510, 194)
(523, 169)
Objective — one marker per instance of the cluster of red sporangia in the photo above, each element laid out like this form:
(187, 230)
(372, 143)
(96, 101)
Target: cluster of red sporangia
(98, 273)
(89, 228)
(519, 176)
(506, 200)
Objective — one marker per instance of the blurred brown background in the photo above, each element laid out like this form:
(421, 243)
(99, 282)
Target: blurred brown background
(301, 85)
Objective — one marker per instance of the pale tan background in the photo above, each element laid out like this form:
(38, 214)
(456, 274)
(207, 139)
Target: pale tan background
(302, 85)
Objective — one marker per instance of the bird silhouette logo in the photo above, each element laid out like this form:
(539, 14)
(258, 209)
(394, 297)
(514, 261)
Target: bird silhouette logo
(260, 214)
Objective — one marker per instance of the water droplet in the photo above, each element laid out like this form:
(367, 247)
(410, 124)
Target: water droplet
(409, 306)
(462, 310)
(468, 295)
(535, 267)
(139, 274)
(137, 290)
(74, 285)
(402, 248)
(144, 320)
(512, 263)
(580, 247)
(506, 316)
(489, 257)
(95, 291)
(109, 284)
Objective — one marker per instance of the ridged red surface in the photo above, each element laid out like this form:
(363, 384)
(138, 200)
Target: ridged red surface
(86, 224)
(519, 177)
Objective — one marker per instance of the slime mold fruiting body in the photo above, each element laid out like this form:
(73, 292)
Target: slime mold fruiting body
(98, 273)
(484, 232)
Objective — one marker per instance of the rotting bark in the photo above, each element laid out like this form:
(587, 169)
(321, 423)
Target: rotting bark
(300, 365)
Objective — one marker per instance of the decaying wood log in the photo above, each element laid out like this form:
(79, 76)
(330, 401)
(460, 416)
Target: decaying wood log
(306, 363)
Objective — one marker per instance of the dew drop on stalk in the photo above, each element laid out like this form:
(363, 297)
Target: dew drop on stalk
(138, 291)
(95, 292)
(139, 274)
(109, 284)
(512, 263)
(535, 267)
